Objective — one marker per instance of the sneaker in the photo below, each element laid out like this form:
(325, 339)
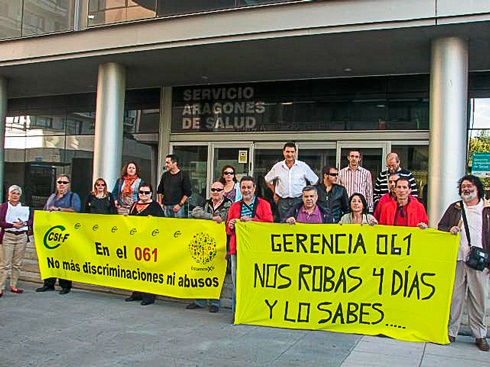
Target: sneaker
(213, 309)
(192, 306)
(45, 288)
(482, 344)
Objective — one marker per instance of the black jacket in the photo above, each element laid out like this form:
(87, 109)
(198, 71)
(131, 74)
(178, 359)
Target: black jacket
(336, 200)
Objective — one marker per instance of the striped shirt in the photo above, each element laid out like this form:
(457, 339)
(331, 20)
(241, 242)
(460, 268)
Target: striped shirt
(358, 181)
(381, 185)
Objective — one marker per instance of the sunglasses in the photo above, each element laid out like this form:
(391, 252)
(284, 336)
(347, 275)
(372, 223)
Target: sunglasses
(216, 190)
(142, 192)
(100, 185)
(333, 174)
(63, 182)
(228, 173)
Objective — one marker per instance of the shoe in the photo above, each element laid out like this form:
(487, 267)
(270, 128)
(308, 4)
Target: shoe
(213, 309)
(452, 339)
(45, 288)
(192, 306)
(16, 290)
(482, 344)
(65, 291)
(133, 298)
(146, 303)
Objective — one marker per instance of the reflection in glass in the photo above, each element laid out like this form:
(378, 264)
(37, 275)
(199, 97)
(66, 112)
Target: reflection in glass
(47, 16)
(193, 160)
(115, 11)
(10, 18)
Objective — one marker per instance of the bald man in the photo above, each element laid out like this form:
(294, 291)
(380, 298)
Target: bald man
(393, 165)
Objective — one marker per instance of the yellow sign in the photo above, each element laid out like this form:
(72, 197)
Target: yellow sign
(183, 258)
(395, 281)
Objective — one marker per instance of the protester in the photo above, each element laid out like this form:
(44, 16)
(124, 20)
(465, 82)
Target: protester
(287, 178)
(381, 185)
(125, 190)
(174, 189)
(359, 212)
(331, 195)
(145, 206)
(357, 179)
(249, 208)
(231, 186)
(389, 196)
(405, 210)
(471, 217)
(216, 208)
(62, 200)
(100, 201)
(15, 220)
(308, 211)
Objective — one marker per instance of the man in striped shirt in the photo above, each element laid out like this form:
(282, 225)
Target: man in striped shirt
(393, 165)
(356, 179)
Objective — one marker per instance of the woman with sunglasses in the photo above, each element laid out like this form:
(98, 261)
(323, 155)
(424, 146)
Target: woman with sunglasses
(100, 201)
(359, 212)
(63, 200)
(145, 206)
(230, 183)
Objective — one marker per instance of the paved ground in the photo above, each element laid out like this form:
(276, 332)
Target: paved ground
(87, 328)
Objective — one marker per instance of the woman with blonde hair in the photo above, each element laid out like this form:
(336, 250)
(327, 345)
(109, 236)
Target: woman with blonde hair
(100, 201)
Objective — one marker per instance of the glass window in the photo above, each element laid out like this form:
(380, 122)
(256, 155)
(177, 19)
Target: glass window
(193, 160)
(47, 16)
(107, 12)
(10, 18)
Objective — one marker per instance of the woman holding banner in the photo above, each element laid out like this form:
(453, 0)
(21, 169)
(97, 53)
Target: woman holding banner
(359, 212)
(100, 201)
(125, 190)
(14, 222)
(145, 206)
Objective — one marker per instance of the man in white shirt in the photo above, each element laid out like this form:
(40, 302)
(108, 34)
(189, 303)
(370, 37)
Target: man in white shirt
(356, 179)
(287, 178)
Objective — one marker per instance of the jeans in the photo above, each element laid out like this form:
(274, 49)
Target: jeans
(208, 302)
(285, 204)
(169, 213)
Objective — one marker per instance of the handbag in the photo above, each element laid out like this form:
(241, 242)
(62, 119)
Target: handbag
(477, 259)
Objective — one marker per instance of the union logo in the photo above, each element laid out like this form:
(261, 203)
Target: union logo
(202, 248)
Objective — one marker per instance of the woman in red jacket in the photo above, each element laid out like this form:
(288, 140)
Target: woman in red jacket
(249, 208)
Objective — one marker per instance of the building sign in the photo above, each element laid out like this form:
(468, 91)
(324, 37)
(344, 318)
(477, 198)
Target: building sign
(217, 108)
(481, 165)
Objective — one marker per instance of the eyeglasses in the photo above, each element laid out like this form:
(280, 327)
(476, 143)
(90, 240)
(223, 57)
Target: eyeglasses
(63, 182)
(333, 174)
(144, 192)
(100, 185)
(216, 190)
(228, 173)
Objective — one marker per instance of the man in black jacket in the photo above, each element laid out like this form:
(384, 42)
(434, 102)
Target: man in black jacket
(331, 195)
(308, 211)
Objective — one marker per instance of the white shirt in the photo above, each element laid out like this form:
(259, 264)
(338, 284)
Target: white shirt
(474, 214)
(290, 181)
(17, 213)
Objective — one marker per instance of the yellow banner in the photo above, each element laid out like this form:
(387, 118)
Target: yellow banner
(183, 258)
(395, 281)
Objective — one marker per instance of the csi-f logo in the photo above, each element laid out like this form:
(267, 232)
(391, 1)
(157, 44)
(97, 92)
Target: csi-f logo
(54, 237)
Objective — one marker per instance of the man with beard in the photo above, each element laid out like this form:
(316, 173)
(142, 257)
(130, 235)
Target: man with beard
(381, 186)
(475, 231)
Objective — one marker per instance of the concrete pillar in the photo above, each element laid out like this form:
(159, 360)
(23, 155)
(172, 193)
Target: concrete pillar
(109, 116)
(448, 123)
(3, 116)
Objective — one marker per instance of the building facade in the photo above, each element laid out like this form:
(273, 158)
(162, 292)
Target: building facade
(86, 85)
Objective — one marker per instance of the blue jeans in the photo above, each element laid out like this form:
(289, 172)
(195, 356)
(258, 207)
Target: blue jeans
(169, 212)
(207, 302)
(285, 204)
(233, 280)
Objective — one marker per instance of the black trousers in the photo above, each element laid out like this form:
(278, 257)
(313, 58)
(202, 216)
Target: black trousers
(147, 297)
(65, 284)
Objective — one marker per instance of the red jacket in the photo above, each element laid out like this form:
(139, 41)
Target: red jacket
(262, 213)
(415, 211)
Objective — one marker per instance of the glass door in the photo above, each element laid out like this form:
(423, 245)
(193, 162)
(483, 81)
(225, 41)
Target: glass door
(373, 155)
(317, 155)
(239, 157)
